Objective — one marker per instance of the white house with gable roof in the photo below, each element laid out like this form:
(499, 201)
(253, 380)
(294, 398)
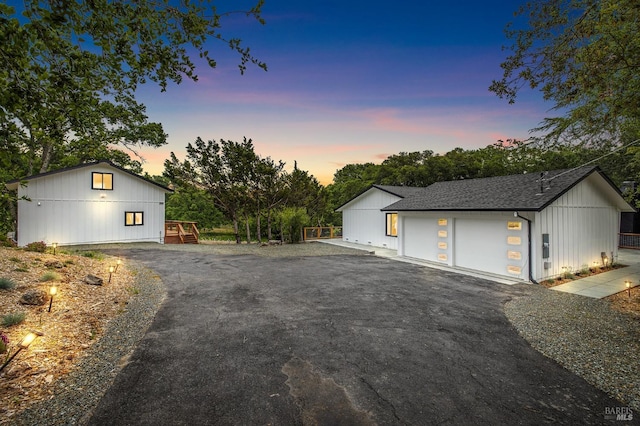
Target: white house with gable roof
(526, 227)
(88, 204)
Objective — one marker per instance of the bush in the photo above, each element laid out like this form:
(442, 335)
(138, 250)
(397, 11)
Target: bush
(93, 255)
(6, 284)
(13, 318)
(6, 242)
(50, 276)
(39, 246)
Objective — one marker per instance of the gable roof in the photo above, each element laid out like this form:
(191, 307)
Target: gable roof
(524, 192)
(398, 191)
(13, 184)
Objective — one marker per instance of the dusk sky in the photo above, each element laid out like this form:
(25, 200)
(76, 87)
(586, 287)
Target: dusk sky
(351, 82)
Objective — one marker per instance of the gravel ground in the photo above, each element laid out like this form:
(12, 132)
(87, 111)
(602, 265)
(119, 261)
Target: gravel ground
(582, 334)
(585, 336)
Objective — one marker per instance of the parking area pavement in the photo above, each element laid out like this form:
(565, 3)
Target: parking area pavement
(335, 340)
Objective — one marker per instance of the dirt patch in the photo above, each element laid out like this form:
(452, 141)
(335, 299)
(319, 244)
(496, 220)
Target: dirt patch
(78, 316)
(321, 400)
(627, 301)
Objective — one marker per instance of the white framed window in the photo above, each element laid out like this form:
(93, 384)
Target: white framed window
(391, 224)
(133, 218)
(102, 181)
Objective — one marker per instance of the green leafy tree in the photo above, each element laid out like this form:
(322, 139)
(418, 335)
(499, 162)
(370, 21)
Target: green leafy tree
(70, 71)
(191, 204)
(271, 191)
(224, 169)
(292, 221)
(584, 55)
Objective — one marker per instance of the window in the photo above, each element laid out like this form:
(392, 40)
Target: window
(101, 180)
(392, 224)
(133, 218)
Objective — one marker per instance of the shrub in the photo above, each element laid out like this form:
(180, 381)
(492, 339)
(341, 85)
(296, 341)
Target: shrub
(21, 269)
(38, 246)
(93, 255)
(6, 284)
(13, 318)
(7, 242)
(50, 276)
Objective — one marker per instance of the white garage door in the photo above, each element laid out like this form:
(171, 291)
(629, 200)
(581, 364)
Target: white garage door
(482, 245)
(420, 238)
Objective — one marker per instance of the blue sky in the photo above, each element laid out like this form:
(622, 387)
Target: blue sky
(351, 82)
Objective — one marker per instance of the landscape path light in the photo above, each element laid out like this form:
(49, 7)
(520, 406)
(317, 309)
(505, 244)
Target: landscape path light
(111, 269)
(52, 292)
(54, 245)
(24, 344)
(118, 262)
(628, 284)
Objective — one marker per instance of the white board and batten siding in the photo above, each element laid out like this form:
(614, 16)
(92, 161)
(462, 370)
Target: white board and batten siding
(494, 242)
(364, 223)
(65, 209)
(582, 223)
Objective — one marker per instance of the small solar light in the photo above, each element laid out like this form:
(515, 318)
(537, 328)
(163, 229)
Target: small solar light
(628, 284)
(118, 262)
(54, 245)
(52, 292)
(111, 270)
(24, 344)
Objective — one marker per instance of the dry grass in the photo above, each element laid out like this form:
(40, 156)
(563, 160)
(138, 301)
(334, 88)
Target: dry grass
(77, 319)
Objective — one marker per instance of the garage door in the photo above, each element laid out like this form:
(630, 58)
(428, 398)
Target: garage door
(420, 238)
(482, 245)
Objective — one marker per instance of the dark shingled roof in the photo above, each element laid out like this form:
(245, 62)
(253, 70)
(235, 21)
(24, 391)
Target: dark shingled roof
(526, 192)
(398, 191)
(13, 184)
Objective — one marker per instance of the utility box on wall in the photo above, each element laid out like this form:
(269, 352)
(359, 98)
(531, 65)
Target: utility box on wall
(545, 246)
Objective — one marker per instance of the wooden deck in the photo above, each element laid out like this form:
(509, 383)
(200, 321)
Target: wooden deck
(180, 232)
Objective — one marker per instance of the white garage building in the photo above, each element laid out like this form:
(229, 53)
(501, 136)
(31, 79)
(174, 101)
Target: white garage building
(91, 203)
(528, 227)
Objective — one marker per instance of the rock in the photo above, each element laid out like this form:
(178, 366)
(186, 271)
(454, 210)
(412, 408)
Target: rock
(34, 297)
(54, 264)
(93, 280)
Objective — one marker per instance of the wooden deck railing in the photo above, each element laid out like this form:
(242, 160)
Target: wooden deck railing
(322, 232)
(630, 241)
(181, 232)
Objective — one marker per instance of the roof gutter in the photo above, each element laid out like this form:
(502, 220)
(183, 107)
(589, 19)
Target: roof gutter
(516, 214)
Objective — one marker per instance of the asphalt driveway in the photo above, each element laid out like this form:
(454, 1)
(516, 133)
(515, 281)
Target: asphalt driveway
(247, 340)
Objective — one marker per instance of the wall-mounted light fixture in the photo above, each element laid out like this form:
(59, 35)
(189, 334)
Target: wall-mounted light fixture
(54, 245)
(52, 292)
(24, 344)
(111, 270)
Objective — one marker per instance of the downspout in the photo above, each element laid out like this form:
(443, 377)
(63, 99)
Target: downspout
(516, 214)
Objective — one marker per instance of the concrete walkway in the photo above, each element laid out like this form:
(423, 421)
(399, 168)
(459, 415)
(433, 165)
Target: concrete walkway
(595, 286)
(607, 283)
